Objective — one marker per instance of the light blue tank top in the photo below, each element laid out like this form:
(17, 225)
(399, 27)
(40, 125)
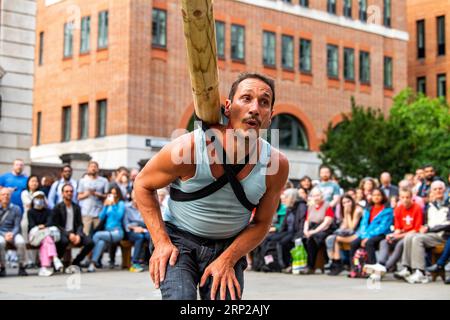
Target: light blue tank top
(219, 215)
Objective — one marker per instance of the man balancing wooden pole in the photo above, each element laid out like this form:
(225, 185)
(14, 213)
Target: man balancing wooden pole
(226, 171)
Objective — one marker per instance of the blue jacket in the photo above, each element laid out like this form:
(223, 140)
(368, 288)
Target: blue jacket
(114, 216)
(381, 224)
(11, 222)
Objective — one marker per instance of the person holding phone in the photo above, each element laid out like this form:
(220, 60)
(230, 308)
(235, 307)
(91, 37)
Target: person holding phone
(111, 218)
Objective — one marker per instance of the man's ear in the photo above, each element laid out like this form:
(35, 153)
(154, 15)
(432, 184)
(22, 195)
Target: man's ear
(227, 107)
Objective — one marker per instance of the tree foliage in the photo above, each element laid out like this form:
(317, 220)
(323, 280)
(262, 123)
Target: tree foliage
(416, 132)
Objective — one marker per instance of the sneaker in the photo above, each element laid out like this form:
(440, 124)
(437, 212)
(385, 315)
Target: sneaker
(2, 272)
(136, 268)
(336, 269)
(45, 272)
(377, 268)
(91, 267)
(417, 277)
(57, 263)
(447, 281)
(435, 268)
(402, 274)
(22, 272)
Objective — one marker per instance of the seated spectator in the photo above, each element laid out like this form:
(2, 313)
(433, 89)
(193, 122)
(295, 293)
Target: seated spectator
(137, 233)
(306, 184)
(39, 223)
(375, 225)
(303, 193)
(408, 218)
(278, 218)
(55, 195)
(435, 232)
(439, 266)
(10, 217)
(67, 218)
(317, 227)
(291, 228)
(405, 184)
(345, 233)
(111, 217)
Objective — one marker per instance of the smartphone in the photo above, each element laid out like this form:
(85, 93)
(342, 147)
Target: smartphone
(110, 197)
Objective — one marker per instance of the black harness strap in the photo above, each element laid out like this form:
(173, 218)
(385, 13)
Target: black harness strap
(229, 176)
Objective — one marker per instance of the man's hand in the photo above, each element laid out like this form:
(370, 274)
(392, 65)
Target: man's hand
(41, 226)
(224, 276)
(363, 243)
(9, 236)
(74, 238)
(423, 229)
(158, 262)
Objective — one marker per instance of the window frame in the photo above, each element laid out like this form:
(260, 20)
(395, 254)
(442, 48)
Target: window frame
(222, 24)
(85, 35)
(333, 76)
(66, 132)
(283, 52)
(99, 127)
(158, 43)
(388, 60)
(236, 42)
(346, 76)
(362, 55)
(266, 48)
(81, 108)
(421, 37)
(68, 32)
(100, 45)
(302, 41)
(441, 47)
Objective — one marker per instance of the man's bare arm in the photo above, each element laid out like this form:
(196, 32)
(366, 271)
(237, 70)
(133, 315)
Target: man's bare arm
(159, 172)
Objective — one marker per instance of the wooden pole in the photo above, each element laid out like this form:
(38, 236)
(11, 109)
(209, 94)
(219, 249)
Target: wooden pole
(199, 31)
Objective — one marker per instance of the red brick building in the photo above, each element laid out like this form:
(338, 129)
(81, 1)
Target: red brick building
(114, 84)
(428, 61)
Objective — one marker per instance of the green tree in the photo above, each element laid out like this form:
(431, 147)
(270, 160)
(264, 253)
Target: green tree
(416, 132)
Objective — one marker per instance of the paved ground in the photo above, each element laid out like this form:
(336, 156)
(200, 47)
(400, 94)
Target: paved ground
(115, 284)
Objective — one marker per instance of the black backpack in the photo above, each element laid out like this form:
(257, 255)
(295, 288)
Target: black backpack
(267, 257)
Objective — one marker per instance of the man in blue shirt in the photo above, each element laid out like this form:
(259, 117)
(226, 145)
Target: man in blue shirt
(16, 181)
(330, 190)
(55, 195)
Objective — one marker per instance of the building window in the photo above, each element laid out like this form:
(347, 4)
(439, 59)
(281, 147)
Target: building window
(349, 64)
(287, 52)
(440, 22)
(364, 67)
(347, 8)
(388, 72)
(83, 119)
(38, 128)
(101, 117)
(220, 39)
(103, 18)
(269, 48)
(331, 6)
(41, 48)
(420, 26)
(332, 61)
(304, 3)
(387, 13)
(85, 34)
(68, 39)
(292, 133)
(237, 42)
(441, 85)
(66, 124)
(363, 10)
(159, 23)
(305, 56)
(422, 85)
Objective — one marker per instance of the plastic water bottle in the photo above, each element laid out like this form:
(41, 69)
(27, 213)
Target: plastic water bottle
(299, 256)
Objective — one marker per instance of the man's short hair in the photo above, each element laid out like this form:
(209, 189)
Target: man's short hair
(428, 165)
(93, 162)
(407, 190)
(244, 76)
(121, 168)
(67, 185)
(324, 166)
(66, 166)
(437, 183)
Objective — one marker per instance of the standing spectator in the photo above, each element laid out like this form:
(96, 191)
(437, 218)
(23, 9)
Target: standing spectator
(330, 190)
(386, 186)
(430, 177)
(67, 218)
(408, 218)
(16, 181)
(10, 231)
(137, 233)
(55, 195)
(121, 181)
(46, 184)
(92, 191)
(345, 233)
(418, 177)
(306, 184)
(319, 218)
(39, 221)
(435, 232)
(375, 225)
(112, 213)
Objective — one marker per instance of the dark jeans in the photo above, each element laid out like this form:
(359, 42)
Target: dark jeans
(371, 247)
(195, 254)
(313, 244)
(138, 239)
(284, 239)
(445, 254)
(85, 242)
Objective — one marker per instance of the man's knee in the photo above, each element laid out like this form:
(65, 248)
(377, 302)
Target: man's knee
(179, 284)
(19, 241)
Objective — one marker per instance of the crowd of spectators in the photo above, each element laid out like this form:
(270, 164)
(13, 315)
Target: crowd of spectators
(386, 228)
